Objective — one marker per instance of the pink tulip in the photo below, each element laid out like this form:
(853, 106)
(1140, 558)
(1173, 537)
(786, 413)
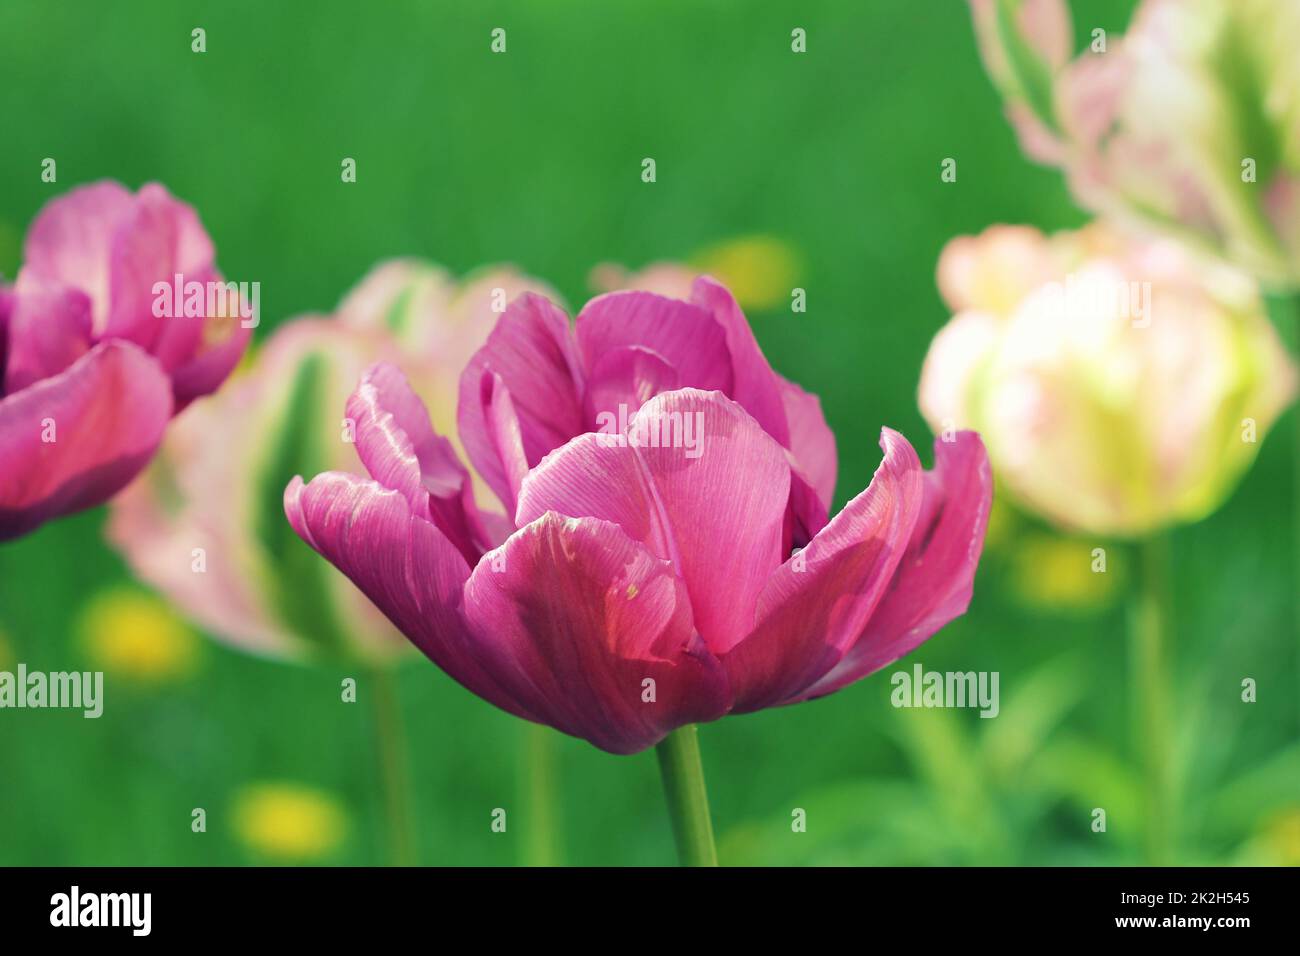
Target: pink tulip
(89, 376)
(649, 582)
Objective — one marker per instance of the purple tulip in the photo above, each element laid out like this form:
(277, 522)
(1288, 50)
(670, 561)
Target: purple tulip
(649, 582)
(89, 375)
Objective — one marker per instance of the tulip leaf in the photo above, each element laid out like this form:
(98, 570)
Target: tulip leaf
(1270, 787)
(1089, 777)
(1037, 706)
(878, 822)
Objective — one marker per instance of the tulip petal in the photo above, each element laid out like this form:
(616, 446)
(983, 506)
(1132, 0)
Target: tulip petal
(805, 514)
(219, 349)
(71, 441)
(815, 605)
(160, 238)
(625, 379)
(7, 299)
(681, 334)
(400, 449)
(994, 271)
(755, 386)
(70, 242)
(185, 500)
(530, 358)
(935, 579)
(49, 329)
(811, 441)
(813, 464)
(500, 443)
(401, 562)
(711, 498)
(957, 354)
(1024, 43)
(592, 633)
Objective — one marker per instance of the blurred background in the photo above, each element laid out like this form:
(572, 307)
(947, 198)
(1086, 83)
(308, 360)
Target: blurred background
(832, 159)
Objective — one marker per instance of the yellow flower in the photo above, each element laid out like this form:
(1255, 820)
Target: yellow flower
(1275, 843)
(289, 821)
(138, 635)
(1058, 573)
(760, 271)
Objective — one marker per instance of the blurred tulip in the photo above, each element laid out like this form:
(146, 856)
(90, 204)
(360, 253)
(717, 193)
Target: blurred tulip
(1189, 123)
(90, 375)
(1119, 387)
(288, 821)
(650, 582)
(205, 524)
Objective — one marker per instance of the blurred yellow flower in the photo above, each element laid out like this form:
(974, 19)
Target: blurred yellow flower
(761, 272)
(1001, 531)
(1276, 843)
(1056, 573)
(289, 821)
(139, 635)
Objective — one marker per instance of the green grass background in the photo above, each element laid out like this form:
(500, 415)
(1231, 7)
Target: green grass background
(534, 158)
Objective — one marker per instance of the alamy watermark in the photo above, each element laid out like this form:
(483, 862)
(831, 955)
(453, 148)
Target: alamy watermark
(75, 690)
(1078, 297)
(75, 908)
(208, 300)
(921, 688)
(651, 429)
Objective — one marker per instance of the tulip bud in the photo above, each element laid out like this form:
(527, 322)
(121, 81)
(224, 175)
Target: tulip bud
(1119, 387)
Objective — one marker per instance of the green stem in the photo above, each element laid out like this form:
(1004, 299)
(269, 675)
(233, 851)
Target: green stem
(688, 802)
(1149, 628)
(1293, 303)
(541, 835)
(394, 771)
(1284, 309)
